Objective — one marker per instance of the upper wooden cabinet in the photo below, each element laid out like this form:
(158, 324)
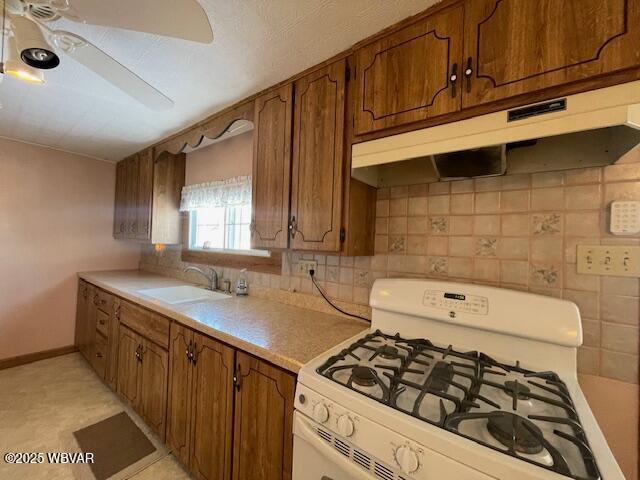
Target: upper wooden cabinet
(272, 169)
(492, 53)
(412, 74)
(318, 159)
(514, 47)
(147, 197)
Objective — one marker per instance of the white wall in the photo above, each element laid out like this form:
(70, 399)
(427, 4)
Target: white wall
(56, 217)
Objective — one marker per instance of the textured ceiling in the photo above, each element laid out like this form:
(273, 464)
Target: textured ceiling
(257, 43)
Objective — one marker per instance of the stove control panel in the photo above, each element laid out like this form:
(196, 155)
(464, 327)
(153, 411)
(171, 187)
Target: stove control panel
(456, 302)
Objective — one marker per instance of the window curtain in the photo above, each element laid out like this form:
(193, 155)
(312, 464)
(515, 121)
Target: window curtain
(230, 192)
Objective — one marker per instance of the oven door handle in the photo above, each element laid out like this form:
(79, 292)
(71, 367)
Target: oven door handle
(303, 429)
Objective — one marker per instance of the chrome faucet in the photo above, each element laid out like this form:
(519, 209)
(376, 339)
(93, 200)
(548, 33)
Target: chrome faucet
(212, 277)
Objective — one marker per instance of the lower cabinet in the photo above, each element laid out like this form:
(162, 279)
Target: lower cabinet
(263, 420)
(142, 377)
(200, 411)
(228, 416)
(225, 414)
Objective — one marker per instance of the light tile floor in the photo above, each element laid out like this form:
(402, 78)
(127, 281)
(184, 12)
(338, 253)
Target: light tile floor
(41, 400)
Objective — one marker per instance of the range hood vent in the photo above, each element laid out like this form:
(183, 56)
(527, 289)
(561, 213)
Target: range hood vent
(477, 162)
(478, 143)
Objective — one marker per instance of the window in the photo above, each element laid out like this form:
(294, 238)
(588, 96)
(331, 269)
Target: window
(219, 216)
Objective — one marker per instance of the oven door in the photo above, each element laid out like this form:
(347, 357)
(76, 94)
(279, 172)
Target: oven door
(316, 459)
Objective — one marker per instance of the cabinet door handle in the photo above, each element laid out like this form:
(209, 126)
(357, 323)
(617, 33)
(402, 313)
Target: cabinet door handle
(101, 321)
(98, 354)
(293, 227)
(237, 379)
(188, 352)
(468, 72)
(194, 353)
(454, 80)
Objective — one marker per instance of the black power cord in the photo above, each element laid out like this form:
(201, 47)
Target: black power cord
(313, 280)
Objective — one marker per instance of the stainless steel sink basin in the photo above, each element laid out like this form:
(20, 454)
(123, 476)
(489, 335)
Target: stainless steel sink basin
(182, 294)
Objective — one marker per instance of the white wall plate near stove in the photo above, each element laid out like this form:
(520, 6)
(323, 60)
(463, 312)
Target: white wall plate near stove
(477, 395)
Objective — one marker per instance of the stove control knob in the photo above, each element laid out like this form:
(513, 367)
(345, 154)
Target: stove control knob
(320, 413)
(345, 426)
(406, 459)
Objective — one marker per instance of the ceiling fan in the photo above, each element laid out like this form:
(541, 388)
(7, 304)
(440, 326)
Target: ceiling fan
(35, 45)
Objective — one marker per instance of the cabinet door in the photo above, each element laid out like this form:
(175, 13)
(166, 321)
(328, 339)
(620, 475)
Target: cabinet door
(263, 433)
(131, 195)
(516, 47)
(120, 210)
(407, 76)
(153, 386)
(271, 169)
(318, 159)
(112, 346)
(212, 409)
(179, 401)
(145, 188)
(129, 366)
(168, 180)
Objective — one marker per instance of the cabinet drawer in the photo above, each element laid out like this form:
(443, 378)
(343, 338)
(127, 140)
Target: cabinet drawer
(99, 360)
(104, 301)
(102, 322)
(148, 324)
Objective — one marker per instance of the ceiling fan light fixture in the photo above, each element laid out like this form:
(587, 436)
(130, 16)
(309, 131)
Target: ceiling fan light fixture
(14, 67)
(32, 46)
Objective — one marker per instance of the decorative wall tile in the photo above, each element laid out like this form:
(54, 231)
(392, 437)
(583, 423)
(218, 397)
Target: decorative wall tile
(382, 208)
(621, 191)
(486, 247)
(546, 249)
(583, 175)
(620, 366)
(397, 225)
(381, 244)
(419, 190)
(487, 184)
(620, 338)
(397, 244)
(620, 309)
(589, 360)
(590, 333)
(583, 224)
(623, 171)
(545, 275)
(514, 272)
(438, 246)
(438, 265)
(398, 192)
(438, 225)
(516, 182)
(362, 278)
(621, 286)
(462, 186)
(546, 224)
(417, 245)
(439, 188)
(382, 225)
(486, 269)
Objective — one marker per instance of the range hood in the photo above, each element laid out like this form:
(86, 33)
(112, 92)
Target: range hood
(476, 146)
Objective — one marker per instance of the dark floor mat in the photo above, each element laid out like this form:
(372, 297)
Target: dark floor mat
(115, 442)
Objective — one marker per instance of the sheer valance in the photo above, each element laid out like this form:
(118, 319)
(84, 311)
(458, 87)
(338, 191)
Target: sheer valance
(223, 193)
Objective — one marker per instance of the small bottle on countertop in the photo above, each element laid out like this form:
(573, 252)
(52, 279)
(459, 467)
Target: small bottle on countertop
(242, 287)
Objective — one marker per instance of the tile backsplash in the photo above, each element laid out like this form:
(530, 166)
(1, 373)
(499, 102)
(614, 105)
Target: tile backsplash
(515, 231)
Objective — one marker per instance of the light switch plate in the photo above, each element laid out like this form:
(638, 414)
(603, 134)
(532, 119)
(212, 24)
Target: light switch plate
(305, 265)
(615, 260)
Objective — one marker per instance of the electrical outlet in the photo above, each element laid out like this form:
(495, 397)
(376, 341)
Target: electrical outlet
(615, 260)
(305, 265)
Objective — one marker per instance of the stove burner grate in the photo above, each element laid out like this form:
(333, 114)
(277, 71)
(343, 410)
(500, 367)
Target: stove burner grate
(364, 376)
(515, 432)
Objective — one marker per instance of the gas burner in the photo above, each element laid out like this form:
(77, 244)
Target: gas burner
(441, 376)
(511, 387)
(515, 432)
(388, 352)
(364, 376)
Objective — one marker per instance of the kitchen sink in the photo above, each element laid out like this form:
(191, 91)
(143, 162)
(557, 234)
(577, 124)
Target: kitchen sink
(182, 294)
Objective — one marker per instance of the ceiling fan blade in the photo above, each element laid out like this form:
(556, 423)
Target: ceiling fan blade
(112, 71)
(184, 19)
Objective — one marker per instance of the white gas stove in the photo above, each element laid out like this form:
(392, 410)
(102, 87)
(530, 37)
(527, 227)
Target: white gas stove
(452, 381)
